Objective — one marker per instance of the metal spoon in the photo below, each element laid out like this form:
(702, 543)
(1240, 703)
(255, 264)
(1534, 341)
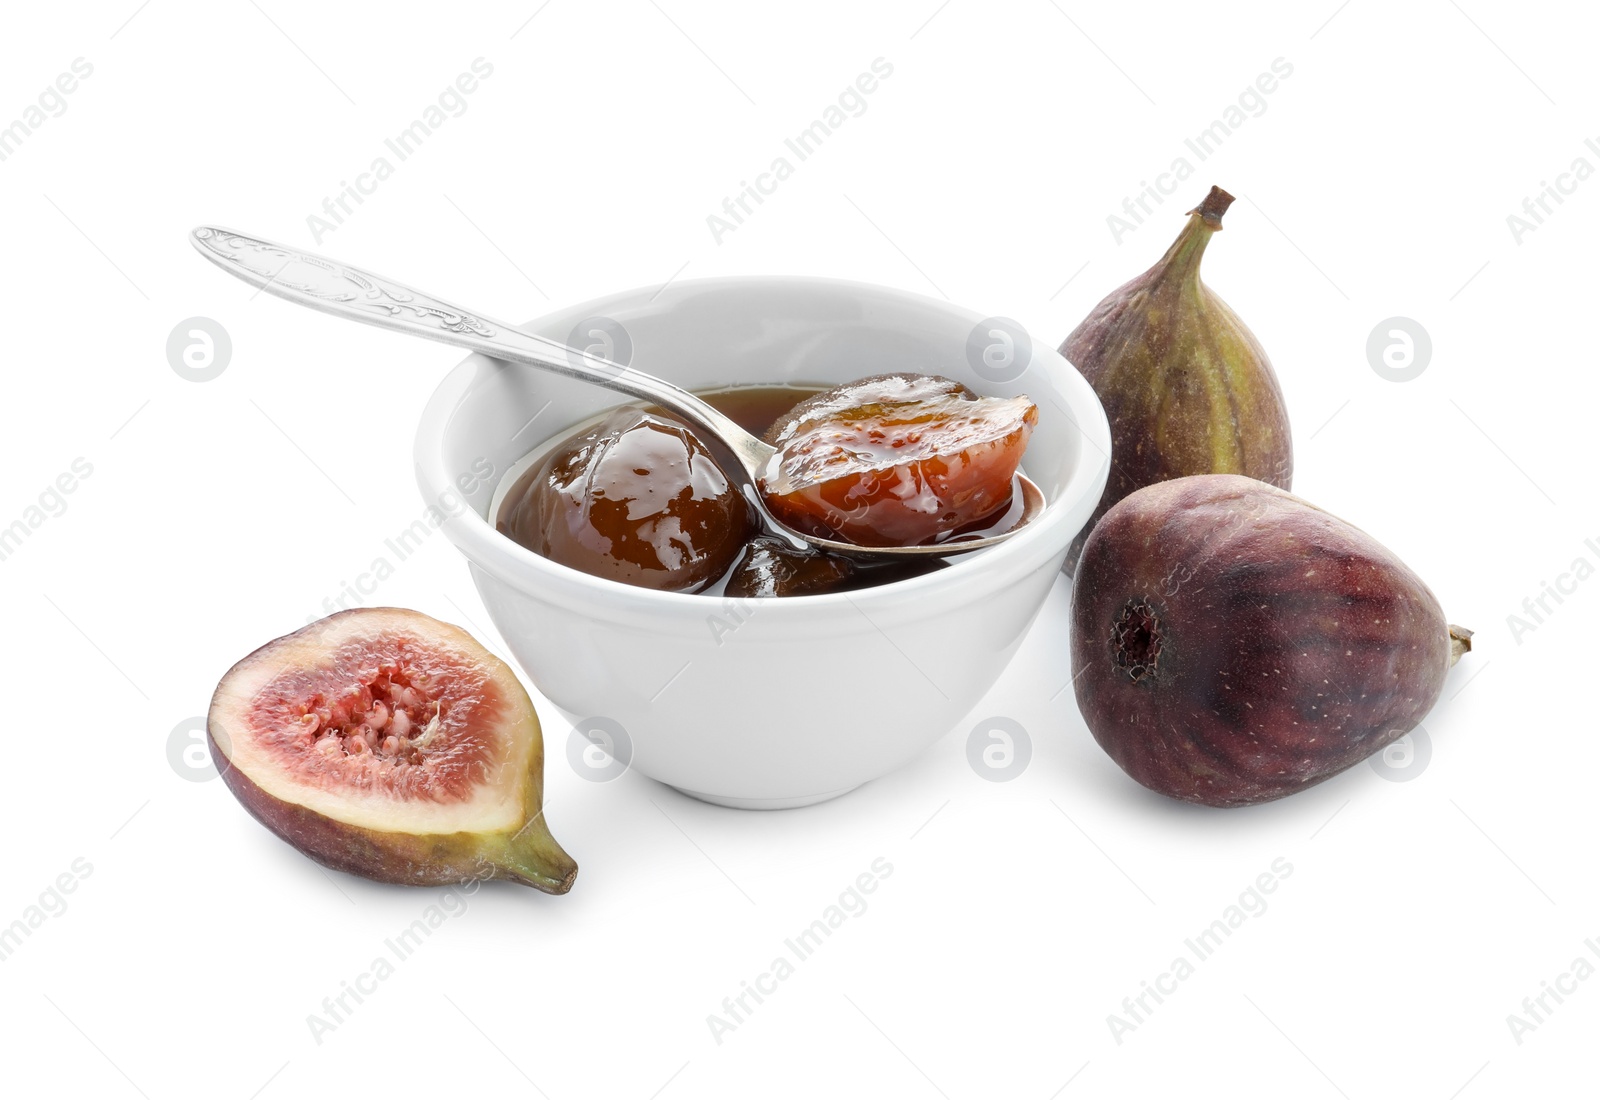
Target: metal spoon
(344, 291)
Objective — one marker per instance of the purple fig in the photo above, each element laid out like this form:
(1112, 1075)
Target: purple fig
(390, 745)
(1186, 386)
(1232, 644)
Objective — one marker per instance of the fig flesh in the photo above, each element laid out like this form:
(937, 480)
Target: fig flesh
(1233, 644)
(896, 460)
(390, 745)
(638, 499)
(1186, 386)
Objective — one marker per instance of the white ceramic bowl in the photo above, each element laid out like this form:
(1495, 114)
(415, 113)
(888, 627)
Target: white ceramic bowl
(760, 703)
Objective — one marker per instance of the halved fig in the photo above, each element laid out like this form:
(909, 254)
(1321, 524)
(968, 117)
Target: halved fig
(393, 746)
(896, 460)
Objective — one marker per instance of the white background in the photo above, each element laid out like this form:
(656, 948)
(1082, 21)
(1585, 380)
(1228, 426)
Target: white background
(1019, 915)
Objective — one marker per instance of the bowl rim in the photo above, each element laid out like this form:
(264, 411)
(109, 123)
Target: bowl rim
(484, 546)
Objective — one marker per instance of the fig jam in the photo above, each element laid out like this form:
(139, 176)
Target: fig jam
(896, 460)
(638, 498)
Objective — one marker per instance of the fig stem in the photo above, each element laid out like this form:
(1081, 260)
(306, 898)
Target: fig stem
(1213, 206)
(1182, 260)
(1460, 643)
(532, 857)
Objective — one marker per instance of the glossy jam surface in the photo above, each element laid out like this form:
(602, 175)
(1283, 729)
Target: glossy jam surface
(896, 460)
(771, 567)
(637, 498)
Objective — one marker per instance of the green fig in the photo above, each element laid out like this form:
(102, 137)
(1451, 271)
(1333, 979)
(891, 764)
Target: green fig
(1186, 387)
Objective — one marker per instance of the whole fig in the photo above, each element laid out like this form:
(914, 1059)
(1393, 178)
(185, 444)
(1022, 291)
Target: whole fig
(1185, 385)
(1232, 644)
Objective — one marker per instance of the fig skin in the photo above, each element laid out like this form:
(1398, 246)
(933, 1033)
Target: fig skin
(1186, 386)
(1233, 644)
(526, 854)
(532, 858)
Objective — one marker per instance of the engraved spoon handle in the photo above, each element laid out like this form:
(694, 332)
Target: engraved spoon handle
(344, 291)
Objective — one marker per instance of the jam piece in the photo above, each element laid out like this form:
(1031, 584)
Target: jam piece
(771, 567)
(636, 499)
(896, 460)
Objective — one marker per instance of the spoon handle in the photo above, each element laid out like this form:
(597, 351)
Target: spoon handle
(344, 291)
